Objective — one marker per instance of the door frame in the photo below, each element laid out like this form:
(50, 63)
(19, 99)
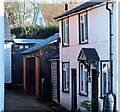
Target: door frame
(74, 75)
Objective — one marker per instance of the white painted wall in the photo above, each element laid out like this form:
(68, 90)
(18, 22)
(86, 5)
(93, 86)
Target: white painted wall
(117, 78)
(98, 34)
(8, 62)
(1, 55)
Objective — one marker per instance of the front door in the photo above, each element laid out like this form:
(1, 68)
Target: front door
(74, 89)
(94, 90)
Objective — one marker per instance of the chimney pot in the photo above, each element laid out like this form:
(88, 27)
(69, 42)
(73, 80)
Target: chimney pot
(66, 7)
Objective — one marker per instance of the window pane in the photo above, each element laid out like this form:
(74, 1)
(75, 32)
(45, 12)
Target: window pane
(83, 28)
(65, 32)
(81, 78)
(104, 83)
(106, 78)
(86, 27)
(85, 81)
(64, 79)
(65, 76)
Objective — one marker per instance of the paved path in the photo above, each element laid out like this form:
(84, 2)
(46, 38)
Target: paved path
(16, 100)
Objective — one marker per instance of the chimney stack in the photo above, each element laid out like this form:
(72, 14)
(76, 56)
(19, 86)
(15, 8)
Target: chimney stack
(66, 7)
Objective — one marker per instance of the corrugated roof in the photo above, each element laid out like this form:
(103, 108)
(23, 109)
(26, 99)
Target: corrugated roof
(27, 41)
(88, 54)
(42, 44)
(79, 8)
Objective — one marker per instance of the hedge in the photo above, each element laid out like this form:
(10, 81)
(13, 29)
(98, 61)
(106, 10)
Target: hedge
(34, 32)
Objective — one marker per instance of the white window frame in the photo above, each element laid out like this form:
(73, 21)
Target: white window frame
(105, 78)
(65, 75)
(83, 79)
(65, 32)
(83, 28)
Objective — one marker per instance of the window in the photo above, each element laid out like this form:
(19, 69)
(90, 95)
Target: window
(26, 46)
(105, 78)
(65, 77)
(65, 33)
(21, 46)
(83, 28)
(83, 79)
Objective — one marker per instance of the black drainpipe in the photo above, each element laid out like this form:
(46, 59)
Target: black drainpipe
(111, 62)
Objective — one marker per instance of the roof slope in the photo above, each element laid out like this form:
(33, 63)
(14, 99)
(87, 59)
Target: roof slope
(38, 17)
(88, 54)
(77, 9)
(42, 44)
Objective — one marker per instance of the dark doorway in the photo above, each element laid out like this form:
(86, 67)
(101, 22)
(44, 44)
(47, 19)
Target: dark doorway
(31, 75)
(17, 67)
(95, 90)
(74, 89)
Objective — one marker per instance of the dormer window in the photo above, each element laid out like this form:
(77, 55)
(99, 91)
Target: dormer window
(65, 36)
(83, 26)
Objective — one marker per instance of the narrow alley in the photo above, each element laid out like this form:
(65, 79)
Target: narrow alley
(17, 100)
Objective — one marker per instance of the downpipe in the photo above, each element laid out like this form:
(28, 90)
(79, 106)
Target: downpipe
(110, 46)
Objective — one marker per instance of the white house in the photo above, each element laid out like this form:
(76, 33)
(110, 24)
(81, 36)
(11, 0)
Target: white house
(2, 56)
(89, 53)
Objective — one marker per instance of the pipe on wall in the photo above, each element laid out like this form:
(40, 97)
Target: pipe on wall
(110, 40)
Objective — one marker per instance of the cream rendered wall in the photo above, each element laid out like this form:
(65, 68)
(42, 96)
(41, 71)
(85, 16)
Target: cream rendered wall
(98, 34)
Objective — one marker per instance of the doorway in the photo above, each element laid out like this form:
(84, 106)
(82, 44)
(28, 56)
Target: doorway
(95, 90)
(30, 75)
(74, 89)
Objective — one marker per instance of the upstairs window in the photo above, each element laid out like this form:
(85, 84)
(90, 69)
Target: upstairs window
(65, 38)
(83, 26)
(65, 77)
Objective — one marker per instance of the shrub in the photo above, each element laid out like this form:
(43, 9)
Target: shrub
(34, 32)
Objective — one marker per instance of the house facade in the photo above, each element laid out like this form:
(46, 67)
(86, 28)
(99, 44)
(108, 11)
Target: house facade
(88, 55)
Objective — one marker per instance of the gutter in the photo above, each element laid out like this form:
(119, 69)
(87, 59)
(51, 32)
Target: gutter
(110, 40)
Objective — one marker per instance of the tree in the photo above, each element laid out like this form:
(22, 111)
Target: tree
(20, 13)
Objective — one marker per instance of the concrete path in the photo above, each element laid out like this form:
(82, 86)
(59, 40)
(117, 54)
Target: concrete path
(16, 100)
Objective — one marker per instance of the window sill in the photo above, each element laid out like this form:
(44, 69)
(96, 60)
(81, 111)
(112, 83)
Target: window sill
(83, 43)
(65, 46)
(65, 91)
(82, 94)
(101, 97)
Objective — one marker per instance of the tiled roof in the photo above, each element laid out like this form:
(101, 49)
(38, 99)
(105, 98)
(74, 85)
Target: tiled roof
(42, 44)
(88, 54)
